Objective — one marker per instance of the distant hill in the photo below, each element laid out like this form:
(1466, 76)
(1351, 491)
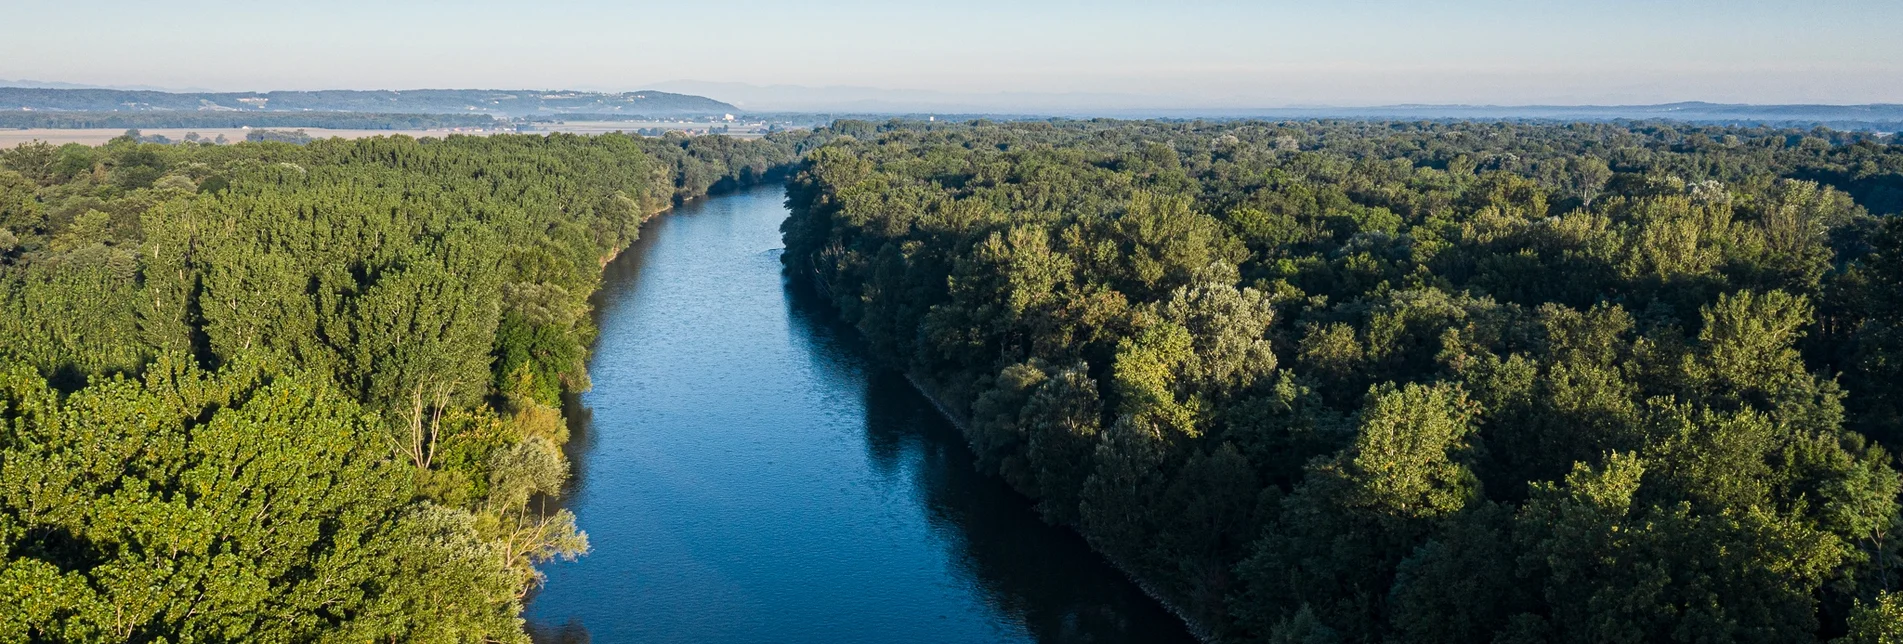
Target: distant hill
(233, 119)
(1734, 114)
(24, 82)
(422, 101)
(873, 100)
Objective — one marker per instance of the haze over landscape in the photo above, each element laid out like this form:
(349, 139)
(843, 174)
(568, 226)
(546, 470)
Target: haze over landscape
(994, 54)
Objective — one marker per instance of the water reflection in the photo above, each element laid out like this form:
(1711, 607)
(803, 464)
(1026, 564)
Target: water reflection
(746, 477)
(617, 286)
(570, 632)
(1043, 576)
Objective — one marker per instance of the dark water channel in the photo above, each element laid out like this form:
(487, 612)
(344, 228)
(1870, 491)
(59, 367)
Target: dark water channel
(746, 477)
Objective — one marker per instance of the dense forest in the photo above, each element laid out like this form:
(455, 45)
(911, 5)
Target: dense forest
(1410, 382)
(268, 393)
(1312, 381)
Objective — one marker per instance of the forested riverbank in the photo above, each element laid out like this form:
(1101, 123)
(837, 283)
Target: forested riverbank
(266, 392)
(746, 476)
(1310, 381)
(1347, 381)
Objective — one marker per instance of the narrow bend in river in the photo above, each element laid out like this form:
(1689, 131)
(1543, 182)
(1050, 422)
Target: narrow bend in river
(745, 477)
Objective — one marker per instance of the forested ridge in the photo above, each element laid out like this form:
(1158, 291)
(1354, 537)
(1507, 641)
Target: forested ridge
(268, 393)
(213, 119)
(1409, 382)
(519, 102)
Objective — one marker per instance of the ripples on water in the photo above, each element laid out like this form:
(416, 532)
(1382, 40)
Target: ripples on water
(745, 476)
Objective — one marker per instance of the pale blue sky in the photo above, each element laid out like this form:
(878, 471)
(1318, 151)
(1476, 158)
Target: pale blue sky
(1186, 53)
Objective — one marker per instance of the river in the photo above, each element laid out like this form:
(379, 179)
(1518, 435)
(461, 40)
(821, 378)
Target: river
(745, 476)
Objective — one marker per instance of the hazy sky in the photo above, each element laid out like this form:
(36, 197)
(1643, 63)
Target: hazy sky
(1191, 53)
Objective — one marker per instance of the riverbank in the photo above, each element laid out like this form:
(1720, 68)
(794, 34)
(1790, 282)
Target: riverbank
(746, 475)
(1198, 629)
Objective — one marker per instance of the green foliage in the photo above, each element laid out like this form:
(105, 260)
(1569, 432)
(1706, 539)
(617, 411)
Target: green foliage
(1863, 328)
(1880, 622)
(1423, 382)
(194, 506)
(263, 392)
(19, 211)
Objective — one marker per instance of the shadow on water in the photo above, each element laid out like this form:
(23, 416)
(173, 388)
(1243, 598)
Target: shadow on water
(571, 632)
(1046, 576)
(617, 279)
(1041, 577)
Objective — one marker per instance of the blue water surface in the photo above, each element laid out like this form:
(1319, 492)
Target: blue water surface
(745, 476)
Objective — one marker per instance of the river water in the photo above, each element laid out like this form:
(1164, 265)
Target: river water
(745, 476)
